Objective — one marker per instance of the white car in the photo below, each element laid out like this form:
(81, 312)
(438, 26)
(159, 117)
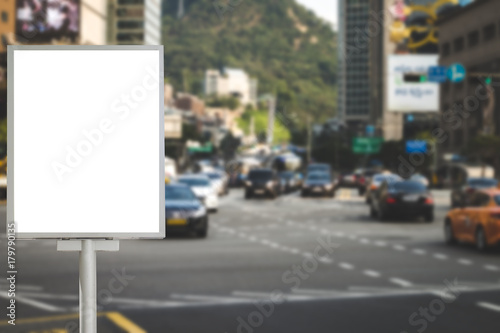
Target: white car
(219, 182)
(203, 189)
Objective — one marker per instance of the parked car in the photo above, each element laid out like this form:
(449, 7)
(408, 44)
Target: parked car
(477, 221)
(184, 212)
(219, 182)
(318, 183)
(290, 181)
(462, 194)
(203, 189)
(262, 182)
(376, 181)
(405, 198)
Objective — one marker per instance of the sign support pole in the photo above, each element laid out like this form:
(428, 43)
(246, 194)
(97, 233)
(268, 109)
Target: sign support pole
(88, 276)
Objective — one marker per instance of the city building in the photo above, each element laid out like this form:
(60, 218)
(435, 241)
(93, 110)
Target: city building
(188, 102)
(231, 82)
(369, 33)
(135, 22)
(7, 23)
(94, 21)
(470, 36)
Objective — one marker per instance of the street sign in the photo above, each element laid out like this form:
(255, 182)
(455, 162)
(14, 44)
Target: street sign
(370, 130)
(437, 74)
(366, 145)
(456, 73)
(416, 146)
(84, 124)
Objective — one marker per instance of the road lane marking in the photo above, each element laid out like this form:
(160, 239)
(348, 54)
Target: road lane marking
(207, 298)
(364, 241)
(326, 260)
(399, 247)
(401, 282)
(381, 243)
(35, 303)
(419, 252)
(124, 323)
(440, 256)
(492, 268)
(489, 306)
(466, 262)
(371, 273)
(345, 265)
(268, 296)
(295, 251)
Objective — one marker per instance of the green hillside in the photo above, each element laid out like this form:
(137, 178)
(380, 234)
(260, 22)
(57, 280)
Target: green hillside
(286, 47)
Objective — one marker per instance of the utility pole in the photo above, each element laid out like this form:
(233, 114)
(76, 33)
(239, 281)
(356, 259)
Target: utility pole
(270, 120)
(180, 9)
(309, 139)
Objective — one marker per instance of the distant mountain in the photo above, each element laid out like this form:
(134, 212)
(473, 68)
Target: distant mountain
(286, 47)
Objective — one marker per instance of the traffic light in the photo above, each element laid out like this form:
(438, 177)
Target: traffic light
(415, 78)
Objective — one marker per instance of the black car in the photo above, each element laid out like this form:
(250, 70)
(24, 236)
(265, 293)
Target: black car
(262, 182)
(318, 183)
(462, 195)
(184, 212)
(402, 199)
(290, 181)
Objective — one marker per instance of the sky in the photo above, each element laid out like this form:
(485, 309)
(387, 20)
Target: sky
(326, 9)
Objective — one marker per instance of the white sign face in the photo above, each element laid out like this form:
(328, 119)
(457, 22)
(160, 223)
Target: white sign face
(411, 97)
(85, 141)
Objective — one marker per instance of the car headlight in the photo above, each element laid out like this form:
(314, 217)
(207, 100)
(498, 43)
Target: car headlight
(199, 212)
(329, 186)
(248, 183)
(270, 183)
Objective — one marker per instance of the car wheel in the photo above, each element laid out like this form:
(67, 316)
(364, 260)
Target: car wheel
(481, 243)
(202, 233)
(429, 217)
(361, 192)
(332, 194)
(248, 195)
(373, 212)
(449, 235)
(303, 194)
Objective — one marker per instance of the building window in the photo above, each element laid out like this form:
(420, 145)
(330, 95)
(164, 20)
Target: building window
(489, 32)
(445, 49)
(5, 16)
(473, 38)
(131, 2)
(124, 37)
(130, 24)
(458, 44)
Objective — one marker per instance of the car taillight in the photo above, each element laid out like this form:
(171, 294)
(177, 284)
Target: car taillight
(361, 180)
(391, 200)
(429, 201)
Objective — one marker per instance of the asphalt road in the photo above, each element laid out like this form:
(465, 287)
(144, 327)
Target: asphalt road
(284, 265)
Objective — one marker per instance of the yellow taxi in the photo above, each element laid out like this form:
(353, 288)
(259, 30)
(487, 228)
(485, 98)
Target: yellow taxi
(477, 221)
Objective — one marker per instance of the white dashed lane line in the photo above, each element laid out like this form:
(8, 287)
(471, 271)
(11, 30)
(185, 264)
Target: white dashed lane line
(401, 282)
(345, 265)
(440, 256)
(491, 268)
(399, 247)
(371, 273)
(489, 306)
(465, 262)
(419, 252)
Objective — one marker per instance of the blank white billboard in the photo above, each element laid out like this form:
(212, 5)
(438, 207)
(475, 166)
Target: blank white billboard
(406, 96)
(85, 141)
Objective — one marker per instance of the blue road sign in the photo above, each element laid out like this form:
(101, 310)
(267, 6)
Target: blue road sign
(370, 130)
(456, 73)
(416, 146)
(437, 74)
(410, 118)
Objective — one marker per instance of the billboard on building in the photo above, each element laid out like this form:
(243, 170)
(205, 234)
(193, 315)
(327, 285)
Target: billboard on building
(39, 21)
(411, 96)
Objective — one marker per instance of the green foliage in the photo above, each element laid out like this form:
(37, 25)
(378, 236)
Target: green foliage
(231, 103)
(260, 37)
(281, 133)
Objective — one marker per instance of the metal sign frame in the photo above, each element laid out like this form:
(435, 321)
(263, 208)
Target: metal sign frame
(12, 158)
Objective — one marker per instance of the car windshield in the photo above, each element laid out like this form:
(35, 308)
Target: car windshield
(388, 178)
(409, 186)
(213, 175)
(260, 175)
(497, 199)
(318, 168)
(318, 176)
(178, 193)
(194, 181)
(482, 182)
(286, 175)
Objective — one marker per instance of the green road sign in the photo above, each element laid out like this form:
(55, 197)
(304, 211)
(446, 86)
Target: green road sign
(366, 145)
